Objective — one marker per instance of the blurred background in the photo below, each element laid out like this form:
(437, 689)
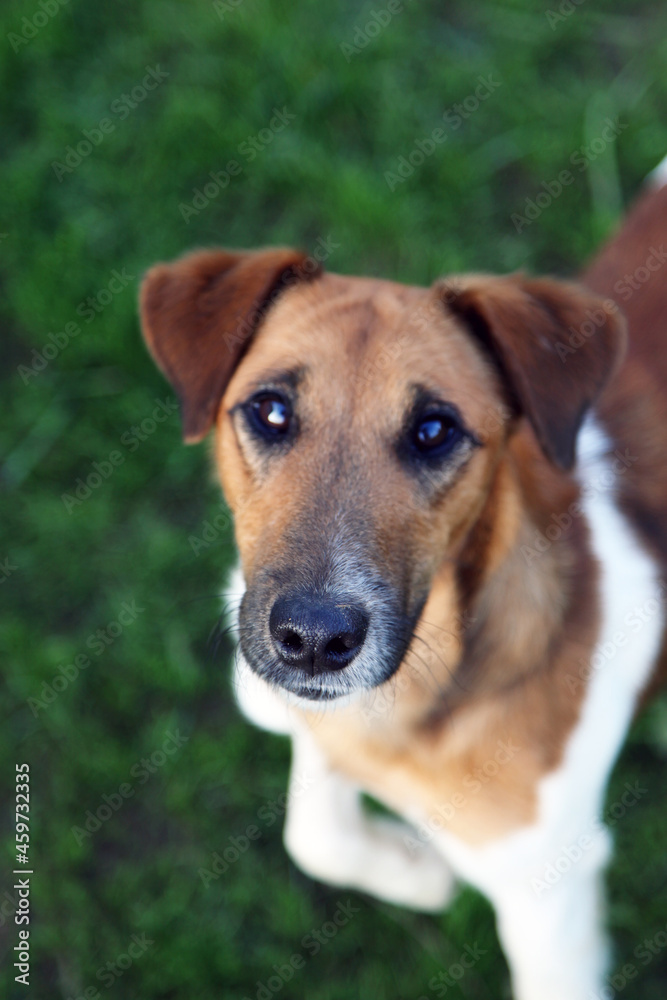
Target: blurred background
(403, 139)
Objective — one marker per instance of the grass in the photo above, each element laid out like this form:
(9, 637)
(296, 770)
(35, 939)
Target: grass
(72, 566)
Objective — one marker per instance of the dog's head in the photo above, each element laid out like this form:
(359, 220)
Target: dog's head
(361, 425)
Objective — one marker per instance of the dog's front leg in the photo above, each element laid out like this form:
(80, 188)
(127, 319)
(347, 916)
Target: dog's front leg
(550, 914)
(329, 836)
(554, 944)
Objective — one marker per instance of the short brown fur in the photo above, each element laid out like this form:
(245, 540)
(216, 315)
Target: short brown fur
(497, 654)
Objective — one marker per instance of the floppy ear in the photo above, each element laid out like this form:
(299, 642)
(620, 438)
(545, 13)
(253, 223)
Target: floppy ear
(554, 343)
(199, 313)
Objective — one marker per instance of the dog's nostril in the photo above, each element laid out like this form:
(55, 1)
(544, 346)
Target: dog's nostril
(340, 645)
(292, 641)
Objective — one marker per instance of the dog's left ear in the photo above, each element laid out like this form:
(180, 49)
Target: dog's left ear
(199, 313)
(554, 343)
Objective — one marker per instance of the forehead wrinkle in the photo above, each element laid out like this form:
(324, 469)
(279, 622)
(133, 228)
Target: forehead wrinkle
(353, 317)
(343, 313)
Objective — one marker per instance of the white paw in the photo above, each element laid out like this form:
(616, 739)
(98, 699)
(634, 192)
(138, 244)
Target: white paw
(375, 857)
(416, 877)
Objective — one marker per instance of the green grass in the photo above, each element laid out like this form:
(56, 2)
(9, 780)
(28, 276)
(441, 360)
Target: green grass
(322, 176)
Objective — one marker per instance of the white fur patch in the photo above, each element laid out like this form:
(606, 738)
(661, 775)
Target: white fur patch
(545, 880)
(257, 700)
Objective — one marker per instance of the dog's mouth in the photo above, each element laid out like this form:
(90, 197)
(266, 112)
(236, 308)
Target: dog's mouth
(328, 685)
(325, 687)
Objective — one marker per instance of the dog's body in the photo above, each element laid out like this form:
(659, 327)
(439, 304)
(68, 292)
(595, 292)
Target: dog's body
(442, 609)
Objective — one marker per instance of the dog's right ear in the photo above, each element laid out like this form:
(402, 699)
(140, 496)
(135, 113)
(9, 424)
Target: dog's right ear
(199, 313)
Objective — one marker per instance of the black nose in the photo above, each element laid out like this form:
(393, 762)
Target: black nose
(317, 634)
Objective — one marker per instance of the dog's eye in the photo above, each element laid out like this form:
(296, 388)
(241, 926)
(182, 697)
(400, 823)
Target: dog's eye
(270, 414)
(436, 434)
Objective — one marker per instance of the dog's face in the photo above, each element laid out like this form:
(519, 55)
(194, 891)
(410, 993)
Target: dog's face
(361, 425)
(356, 443)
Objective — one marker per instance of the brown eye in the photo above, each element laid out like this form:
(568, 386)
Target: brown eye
(271, 414)
(437, 434)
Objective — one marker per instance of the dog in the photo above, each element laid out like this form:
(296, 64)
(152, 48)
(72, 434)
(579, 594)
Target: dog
(450, 506)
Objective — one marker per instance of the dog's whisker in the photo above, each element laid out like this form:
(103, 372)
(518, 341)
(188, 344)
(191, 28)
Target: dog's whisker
(452, 673)
(437, 656)
(432, 683)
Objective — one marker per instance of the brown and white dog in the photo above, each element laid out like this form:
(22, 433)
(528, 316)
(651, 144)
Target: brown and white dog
(451, 511)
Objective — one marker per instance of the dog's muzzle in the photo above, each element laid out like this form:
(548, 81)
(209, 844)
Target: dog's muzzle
(344, 631)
